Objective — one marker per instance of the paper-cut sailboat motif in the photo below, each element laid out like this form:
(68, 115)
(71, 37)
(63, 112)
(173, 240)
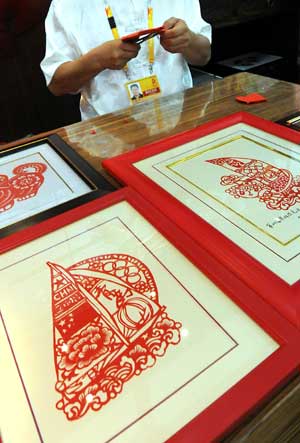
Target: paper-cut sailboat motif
(273, 186)
(108, 326)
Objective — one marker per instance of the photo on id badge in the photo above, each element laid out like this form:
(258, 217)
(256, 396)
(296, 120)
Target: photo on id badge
(142, 89)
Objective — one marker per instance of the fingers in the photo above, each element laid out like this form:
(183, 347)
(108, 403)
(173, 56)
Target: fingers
(175, 28)
(177, 36)
(130, 48)
(176, 43)
(170, 23)
(122, 53)
(115, 54)
(178, 49)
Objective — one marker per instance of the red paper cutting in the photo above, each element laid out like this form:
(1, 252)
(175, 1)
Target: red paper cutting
(275, 187)
(108, 327)
(23, 185)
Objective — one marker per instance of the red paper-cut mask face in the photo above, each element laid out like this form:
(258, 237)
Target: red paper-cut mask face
(108, 327)
(275, 187)
(23, 185)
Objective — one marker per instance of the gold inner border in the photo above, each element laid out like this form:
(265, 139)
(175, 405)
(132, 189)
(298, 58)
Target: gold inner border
(66, 158)
(45, 160)
(68, 161)
(189, 157)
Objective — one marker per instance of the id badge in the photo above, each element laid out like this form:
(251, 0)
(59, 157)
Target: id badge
(142, 89)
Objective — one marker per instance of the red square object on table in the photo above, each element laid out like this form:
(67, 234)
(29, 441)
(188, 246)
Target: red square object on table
(251, 98)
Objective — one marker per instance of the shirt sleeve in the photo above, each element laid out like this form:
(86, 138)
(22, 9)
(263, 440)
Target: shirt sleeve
(194, 20)
(60, 47)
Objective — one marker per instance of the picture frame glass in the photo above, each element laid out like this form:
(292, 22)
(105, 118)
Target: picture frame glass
(35, 179)
(155, 333)
(243, 181)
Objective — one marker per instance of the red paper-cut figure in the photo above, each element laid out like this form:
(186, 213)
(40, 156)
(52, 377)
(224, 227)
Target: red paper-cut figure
(27, 180)
(23, 185)
(108, 327)
(273, 186)
(6, 194)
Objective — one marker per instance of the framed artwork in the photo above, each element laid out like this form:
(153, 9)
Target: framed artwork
(128, 331)
(234, 186)
(41, 179)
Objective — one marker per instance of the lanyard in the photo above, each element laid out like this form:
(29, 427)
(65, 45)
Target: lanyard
(151, 41)
(115, 32)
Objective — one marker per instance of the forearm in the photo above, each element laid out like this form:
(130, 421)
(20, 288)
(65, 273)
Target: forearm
(199, 50)
(70, 77)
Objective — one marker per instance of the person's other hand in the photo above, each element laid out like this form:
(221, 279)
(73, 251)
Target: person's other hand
(115, 54)
(70, 77)
(177, 36)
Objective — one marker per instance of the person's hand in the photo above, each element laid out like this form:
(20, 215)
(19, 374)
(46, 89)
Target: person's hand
(70, 77)
(177, 36)
(115, 54)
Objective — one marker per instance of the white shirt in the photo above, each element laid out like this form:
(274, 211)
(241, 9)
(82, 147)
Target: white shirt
(74, 27)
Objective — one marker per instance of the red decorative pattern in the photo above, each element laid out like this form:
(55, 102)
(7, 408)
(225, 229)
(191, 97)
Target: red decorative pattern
(108, 327)
(23, 185)
(275, 187)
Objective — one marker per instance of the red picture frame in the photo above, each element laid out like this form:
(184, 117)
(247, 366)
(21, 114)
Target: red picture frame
(256, 387)
(285, 297)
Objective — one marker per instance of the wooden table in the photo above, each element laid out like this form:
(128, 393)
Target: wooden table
(112, 134)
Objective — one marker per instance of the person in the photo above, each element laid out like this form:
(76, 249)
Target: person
(135, 92)
(84, 51)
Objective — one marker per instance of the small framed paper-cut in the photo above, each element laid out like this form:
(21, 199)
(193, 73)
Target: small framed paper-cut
(41, 179)
(234, 186)
(116, 327)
